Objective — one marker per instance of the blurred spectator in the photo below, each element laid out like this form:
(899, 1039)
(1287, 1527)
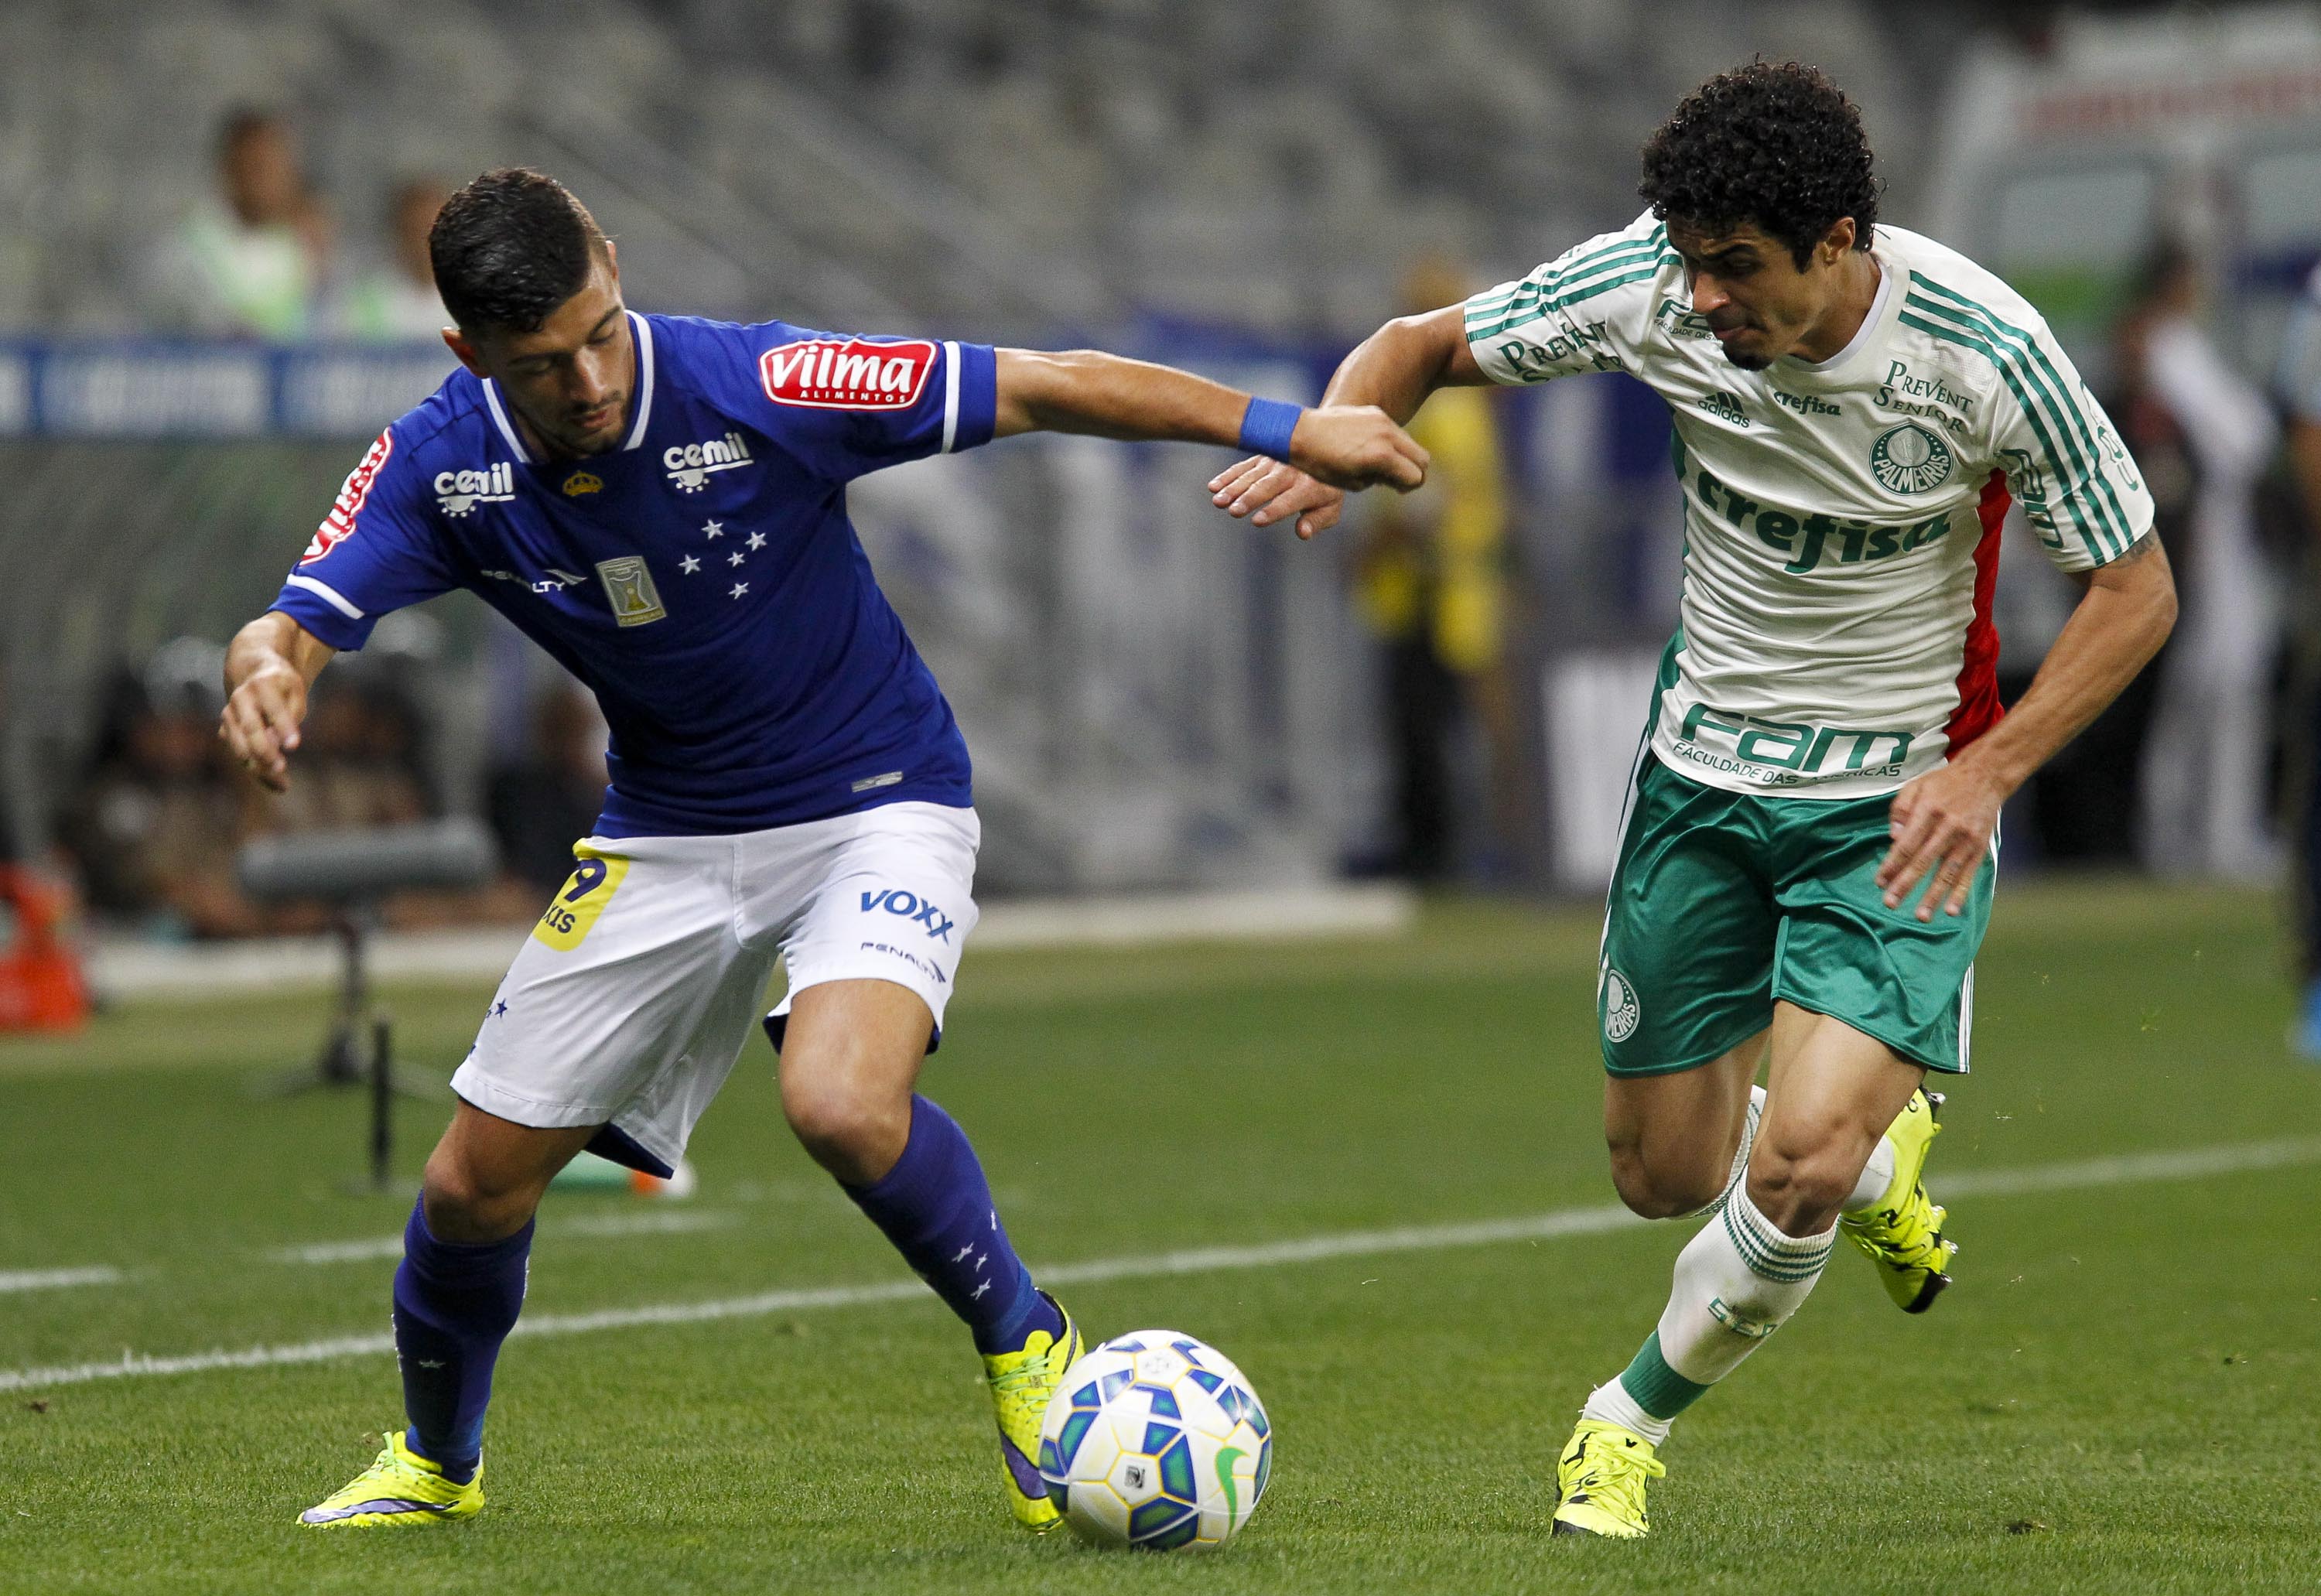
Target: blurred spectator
(1432, 586)
(396, 301)
(2299, 381)
(154, 828)
(356, 766)
(2204, 770)
(541, 807)
(248, 262)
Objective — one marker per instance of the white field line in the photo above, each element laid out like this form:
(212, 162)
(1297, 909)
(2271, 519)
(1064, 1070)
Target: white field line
(372, 1247)
(2128, 1170)
(45, 1280)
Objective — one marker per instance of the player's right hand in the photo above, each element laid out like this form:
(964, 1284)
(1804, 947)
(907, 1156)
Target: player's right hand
(1265, 491)
(1357, 446)
(261, 723)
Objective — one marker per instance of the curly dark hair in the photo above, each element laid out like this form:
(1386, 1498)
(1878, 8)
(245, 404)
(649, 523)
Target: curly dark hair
(511, 247)
(1778, 145)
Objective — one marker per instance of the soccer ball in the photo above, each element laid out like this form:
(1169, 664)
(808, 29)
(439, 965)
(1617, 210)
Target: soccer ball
(1155, 1441)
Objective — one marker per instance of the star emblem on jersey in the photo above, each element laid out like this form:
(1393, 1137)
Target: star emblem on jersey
(713, 529)
(689, 565)
(757, 542)
(739, 589)
(1909, 459)
(736, 558)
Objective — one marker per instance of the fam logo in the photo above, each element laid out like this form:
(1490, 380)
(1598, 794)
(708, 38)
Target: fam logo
(1908, 459)
(691, 465)
(459, 492)
(340, 524)
(908, 907)
(1621, 1009)
(854, 374)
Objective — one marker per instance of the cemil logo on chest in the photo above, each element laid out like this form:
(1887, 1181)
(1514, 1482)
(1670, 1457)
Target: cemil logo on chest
(691, 465)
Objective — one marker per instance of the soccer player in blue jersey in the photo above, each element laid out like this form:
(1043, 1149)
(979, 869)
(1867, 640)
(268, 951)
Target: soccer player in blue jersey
(660, 503)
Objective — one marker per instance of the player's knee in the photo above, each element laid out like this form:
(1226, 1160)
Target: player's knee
(1800, 1184)
(1656, 1191)
(470, 1203)
(855, 1135)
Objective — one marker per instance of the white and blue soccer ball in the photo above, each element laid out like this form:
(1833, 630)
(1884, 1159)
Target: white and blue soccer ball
(1156, 1441)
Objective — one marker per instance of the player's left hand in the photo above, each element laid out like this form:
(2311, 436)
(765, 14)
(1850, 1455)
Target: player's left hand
(1357, 446)
(1264, 491)
(1942, 825)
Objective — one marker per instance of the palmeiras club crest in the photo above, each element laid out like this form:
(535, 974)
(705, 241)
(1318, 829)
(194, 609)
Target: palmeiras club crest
(1910, 459)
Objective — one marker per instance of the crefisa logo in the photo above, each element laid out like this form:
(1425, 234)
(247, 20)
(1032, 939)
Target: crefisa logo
(849, 374)
(691, 465)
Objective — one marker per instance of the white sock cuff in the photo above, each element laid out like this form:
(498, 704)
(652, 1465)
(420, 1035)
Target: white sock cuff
(1877, 1175)
(1769, 1253)
(1611, 1403)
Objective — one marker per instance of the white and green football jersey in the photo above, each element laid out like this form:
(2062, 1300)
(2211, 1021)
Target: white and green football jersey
(1841, 518)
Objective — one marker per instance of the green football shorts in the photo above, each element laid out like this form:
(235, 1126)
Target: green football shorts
(1722, 902)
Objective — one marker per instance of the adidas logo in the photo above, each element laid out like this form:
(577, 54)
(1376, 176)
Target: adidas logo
(691, 465)
(459, 492)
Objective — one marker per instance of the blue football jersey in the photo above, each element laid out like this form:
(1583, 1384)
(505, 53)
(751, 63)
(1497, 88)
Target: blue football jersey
(703, 580)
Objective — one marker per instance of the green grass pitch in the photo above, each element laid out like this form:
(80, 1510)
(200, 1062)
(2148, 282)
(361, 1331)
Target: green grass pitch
(2118, 1396)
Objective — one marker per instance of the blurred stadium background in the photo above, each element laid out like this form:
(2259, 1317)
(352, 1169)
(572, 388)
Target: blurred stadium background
(1407, 740)
(212, 298)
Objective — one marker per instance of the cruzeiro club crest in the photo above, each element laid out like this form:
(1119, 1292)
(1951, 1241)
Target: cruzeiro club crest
(1908, 459)
(1621, 1009)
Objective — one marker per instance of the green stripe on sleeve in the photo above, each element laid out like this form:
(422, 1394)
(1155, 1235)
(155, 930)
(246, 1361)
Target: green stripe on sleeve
(1515, 317)
(2028, 348)
(1971, 337)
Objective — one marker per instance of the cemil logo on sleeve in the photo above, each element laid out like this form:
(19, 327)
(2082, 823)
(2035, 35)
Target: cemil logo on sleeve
(852, 374)
(340, 524)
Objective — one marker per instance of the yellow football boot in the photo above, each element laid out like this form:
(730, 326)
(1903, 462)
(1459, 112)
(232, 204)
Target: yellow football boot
(1903, 1233)
(1599, 1482)
(1021, 1384)
(400, 1487)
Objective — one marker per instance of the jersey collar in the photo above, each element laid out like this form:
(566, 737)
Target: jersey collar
(1872, 328)
(641, 330)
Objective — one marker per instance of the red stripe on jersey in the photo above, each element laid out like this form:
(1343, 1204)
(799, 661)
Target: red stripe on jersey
(1977, 678)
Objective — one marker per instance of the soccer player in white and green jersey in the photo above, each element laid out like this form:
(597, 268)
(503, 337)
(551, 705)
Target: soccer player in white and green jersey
(1802, 880)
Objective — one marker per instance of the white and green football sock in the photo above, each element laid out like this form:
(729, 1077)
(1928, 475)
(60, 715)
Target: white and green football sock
(1736, 1282)
(1741, 1155)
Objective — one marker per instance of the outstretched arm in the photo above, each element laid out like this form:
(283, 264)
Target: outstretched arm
(1394, 368)
(268, 667)
(1943, 821)
(1108, 397)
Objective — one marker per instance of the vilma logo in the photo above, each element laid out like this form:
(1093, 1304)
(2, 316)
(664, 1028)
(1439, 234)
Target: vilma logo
(1908, 459)
(1621, 1009)
(340, 524)
(824, 374)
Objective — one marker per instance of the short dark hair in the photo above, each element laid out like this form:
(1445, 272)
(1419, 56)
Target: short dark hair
(511, 247)
(1777, 145)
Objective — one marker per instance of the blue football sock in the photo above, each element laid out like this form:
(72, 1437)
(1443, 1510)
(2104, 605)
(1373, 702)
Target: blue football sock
(936, 1207)
(453, 1306)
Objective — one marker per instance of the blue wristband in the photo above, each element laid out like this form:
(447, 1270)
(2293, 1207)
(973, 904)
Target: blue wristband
(1266, 426)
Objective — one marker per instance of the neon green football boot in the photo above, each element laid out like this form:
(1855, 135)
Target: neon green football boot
(400, 1487)
(1903, 1233)
(1021, 1384)
(1599, 1482)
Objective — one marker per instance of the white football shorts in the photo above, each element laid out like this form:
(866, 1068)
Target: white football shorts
(633, 995)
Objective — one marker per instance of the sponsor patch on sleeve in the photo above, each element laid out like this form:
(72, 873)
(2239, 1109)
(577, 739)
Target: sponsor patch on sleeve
(340, 524)
(849, 374)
